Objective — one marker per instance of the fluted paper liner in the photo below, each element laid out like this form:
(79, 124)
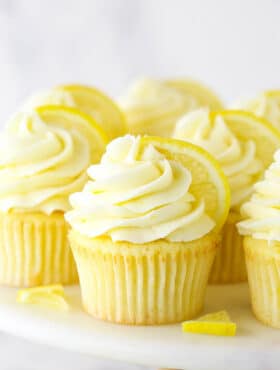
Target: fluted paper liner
(263, 265)
(229, 265)
(34, 250)
(153, 283)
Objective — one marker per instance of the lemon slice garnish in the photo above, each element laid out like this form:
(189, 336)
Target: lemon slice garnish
(246, 126)
(217, 323)
(98, 105)
(51, 296)
(208, 180)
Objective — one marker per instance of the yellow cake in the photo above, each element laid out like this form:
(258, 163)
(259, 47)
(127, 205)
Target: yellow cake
(152, 106)
(44, 155)
(145, 230)
(244, 145)
(261, 228)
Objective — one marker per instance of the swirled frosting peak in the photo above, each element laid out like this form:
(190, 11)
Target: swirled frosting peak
(237, 158)
(152, 107)
(138, 196)
(40, 164)
(266, 105)
(262, 211)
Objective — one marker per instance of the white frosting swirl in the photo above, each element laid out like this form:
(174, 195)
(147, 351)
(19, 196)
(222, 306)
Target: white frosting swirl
(40, 164)
(152, 107)
(138, 198)
(262, 212)
(238, 159)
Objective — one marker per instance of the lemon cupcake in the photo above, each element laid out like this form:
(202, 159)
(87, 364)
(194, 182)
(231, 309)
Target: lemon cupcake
(43, 159)
(244, 146)
(144, 230)
(265, 105)
(152, 107)
(261, 228)
(87, 99)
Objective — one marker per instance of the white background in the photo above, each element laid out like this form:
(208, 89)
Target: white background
(232, 46)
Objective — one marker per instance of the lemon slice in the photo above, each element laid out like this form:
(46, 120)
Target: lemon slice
(265, 105)
(99, 106)
(208, 180)
(203, 96)
(70, 118)
(88, 100)
(51, 296)
(217, 323)
(246, 126)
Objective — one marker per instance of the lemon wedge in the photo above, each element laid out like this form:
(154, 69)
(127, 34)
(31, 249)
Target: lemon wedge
(217, 323)
(51, 296)
(208, 180)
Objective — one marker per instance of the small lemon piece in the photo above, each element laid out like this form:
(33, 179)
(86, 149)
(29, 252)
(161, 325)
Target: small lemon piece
(51, 296)
(217, 323)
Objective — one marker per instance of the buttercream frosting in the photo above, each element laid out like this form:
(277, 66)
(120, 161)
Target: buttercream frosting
(41, 164)
(262, 211)
(152, 106)
(237, 158)
(138, 196)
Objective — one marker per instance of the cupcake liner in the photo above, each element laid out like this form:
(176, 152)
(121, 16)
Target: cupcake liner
(263, 264)
(34, 250)
(229, 265)
(153, 283)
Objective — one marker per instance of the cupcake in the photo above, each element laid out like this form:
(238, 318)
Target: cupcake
(145, 230)
(43, 159)
(261, 228)
(152, 107)
(244, 146)
(265, 105)
(88, 100)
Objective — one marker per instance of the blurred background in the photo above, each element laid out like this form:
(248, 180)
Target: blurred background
(233, 46)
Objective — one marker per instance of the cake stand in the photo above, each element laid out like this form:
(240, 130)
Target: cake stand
(255, 347)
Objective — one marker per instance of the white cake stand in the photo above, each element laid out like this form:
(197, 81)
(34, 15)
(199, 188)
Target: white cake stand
(255, 347)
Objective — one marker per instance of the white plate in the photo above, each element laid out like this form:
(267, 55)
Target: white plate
(255, 347)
